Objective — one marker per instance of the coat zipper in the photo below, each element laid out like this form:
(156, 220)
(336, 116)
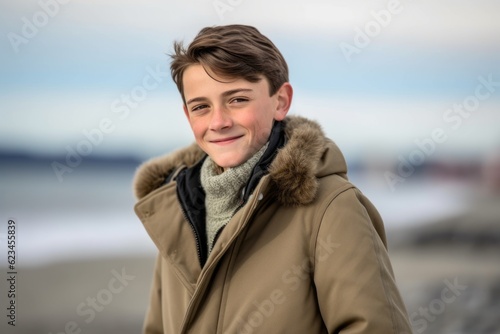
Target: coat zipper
(196, 237)
(191, 224)
(196, 296)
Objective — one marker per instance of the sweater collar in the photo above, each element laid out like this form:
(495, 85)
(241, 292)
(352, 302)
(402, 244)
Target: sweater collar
(231, 181)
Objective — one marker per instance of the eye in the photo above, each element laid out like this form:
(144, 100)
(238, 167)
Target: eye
(199, 107)
(239, 100)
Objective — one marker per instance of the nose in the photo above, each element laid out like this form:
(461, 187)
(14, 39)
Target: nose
(221, 119)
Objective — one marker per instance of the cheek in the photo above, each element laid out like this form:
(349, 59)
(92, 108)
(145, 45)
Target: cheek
(197, 129)
(260, 128)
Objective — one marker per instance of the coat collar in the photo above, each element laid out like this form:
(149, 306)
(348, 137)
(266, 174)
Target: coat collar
(307, 156)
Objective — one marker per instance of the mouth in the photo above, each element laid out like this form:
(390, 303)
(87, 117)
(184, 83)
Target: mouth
(227, 140)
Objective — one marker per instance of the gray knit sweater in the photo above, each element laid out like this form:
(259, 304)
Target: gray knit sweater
(223, 192)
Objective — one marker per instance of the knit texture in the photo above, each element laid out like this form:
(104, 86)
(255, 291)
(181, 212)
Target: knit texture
(223, 192)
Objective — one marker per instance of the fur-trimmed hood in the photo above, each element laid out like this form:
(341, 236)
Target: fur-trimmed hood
(307, 156)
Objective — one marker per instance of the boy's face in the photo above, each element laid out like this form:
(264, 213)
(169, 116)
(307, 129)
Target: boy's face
(231, 119)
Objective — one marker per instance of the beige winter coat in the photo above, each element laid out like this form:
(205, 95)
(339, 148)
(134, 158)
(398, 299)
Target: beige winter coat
(305, 254)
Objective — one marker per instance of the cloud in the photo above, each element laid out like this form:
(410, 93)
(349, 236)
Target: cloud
(65, 78)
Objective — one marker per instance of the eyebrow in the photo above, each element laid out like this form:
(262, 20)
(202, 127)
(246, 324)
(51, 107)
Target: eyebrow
(225, 94)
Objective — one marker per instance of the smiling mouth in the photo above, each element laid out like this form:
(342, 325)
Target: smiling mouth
(225, 140)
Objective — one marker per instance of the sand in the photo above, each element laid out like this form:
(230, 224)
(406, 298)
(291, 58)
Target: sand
(58, 298)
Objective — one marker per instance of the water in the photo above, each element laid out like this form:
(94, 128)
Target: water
(90, 214)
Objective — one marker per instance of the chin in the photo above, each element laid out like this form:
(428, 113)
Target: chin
(228, 163)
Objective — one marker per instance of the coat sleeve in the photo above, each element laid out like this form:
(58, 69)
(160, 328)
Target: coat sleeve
(153, 323)
(355, 284)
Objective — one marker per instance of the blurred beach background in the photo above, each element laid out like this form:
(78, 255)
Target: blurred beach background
(409, 90)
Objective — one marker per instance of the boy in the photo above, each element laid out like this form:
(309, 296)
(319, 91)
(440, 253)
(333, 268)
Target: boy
(257, 226)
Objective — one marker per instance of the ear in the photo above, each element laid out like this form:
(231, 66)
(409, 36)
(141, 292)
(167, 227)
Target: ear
(284, 97)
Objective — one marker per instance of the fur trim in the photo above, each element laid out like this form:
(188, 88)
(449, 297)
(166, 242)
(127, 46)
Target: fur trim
(153, 173)
(293, 171)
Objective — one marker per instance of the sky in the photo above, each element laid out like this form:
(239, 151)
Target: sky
(378, 75)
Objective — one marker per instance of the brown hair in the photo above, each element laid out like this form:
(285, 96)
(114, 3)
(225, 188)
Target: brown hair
(232, 51)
